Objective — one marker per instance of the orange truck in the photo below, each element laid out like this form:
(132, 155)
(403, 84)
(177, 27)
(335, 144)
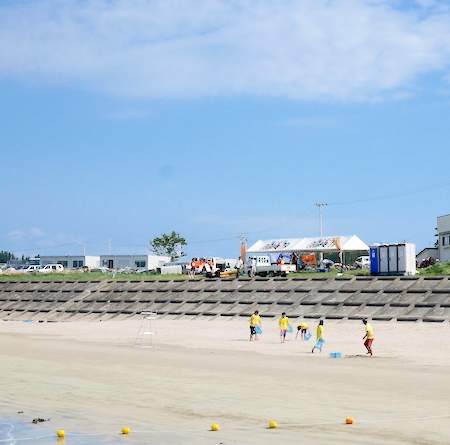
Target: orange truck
(214, 267)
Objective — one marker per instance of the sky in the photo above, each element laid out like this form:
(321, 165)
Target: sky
(221, 120)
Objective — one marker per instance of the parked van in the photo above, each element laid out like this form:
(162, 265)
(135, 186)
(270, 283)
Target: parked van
(362, 262)
(30, 268)
(51, 268)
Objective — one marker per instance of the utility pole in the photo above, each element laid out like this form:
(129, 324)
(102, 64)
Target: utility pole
(84, 247)
(320, 225)
(320, 218)
(242, 236)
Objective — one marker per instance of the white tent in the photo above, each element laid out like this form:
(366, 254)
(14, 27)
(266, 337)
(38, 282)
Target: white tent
(309, 245)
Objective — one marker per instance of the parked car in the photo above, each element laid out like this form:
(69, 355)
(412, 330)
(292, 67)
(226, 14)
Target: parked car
(362, 262)
(51, 268)
(100, 269)
(31, 268)
(8, 269)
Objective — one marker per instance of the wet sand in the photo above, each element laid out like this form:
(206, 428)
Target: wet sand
(89, 379)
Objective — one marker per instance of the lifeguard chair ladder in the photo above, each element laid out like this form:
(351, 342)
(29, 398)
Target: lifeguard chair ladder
(147, 336)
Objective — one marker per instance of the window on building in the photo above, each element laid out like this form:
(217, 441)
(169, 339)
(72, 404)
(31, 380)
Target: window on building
(64, 263)
(77, 264)
(140, 263)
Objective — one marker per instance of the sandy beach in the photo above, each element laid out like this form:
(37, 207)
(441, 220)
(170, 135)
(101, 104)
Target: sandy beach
(89, 380)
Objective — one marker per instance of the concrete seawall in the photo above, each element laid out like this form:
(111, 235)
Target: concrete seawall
(424, 299)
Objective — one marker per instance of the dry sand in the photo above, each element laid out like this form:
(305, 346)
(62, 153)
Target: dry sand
(88, 378)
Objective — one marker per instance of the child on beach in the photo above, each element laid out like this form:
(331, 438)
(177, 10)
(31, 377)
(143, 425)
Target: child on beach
(319, 337)
(255, 320)
(283, 322)
(303, 328)
(369, 337)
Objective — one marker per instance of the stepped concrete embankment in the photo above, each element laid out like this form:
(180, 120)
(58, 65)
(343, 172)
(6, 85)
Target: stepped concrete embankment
(424, 299)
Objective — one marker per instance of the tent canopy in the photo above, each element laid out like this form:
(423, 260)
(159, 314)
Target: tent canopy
(318, 244)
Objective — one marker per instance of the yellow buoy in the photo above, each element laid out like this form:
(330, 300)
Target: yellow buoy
(273, 425)
(349, 420)
(126, 430)
(60, 433)
(215, 427)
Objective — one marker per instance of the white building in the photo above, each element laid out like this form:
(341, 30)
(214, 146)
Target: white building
(443, 229)
(147, 262)
(72, 262)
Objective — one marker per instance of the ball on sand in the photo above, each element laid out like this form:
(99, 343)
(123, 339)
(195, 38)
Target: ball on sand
(126, 430)
(215, 427)
(349, 420)
(273, 425)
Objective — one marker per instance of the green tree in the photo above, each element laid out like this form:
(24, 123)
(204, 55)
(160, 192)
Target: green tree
(6, 256)
(169, 245)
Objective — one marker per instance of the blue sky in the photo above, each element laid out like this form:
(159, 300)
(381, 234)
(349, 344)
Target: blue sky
(123, 120)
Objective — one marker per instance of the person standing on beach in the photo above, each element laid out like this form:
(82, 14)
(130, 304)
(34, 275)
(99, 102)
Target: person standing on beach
(319, 336)
(255, 320)
(283, 322)
(369, 337)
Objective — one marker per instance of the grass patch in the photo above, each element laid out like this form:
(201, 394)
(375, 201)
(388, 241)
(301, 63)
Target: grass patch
(88, 276)
(438, 269)
(96, 276)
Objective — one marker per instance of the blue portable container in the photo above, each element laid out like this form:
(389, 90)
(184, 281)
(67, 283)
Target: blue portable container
(374, 263)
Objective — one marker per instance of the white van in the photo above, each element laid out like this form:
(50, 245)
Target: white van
(51, 268)
(362, 262)
(31, 268)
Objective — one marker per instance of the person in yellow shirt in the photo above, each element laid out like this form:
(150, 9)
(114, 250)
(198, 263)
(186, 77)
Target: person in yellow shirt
(255, 320)
(283, 322)
(319, 337)
(303, 328)
(369, 337)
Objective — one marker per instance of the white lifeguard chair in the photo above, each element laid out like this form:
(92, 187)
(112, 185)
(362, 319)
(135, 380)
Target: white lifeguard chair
(148, 335)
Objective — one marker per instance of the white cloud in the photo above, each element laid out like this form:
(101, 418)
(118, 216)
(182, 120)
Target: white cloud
(16, 234)
(36, 233)
(340, 50)
(30, 234)
(35, 238)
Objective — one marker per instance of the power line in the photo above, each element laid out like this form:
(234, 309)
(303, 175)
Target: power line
(287, 222)
(214, 240)
(51, 247)
(394, 195)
